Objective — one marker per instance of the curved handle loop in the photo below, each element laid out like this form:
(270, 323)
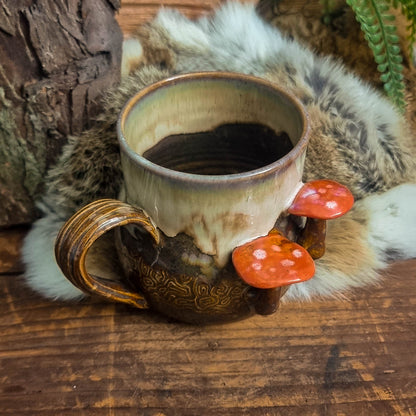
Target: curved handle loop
(79, 233)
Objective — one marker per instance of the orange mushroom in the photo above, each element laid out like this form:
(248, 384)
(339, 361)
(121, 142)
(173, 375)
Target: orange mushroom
(319, 201)
(272, 261)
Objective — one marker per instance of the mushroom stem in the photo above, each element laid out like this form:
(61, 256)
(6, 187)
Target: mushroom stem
(312, 237)
(268, 300)
(319, 200)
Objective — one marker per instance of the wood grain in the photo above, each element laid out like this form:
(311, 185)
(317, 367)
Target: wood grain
(352, 357)
(10, 242)
(135, 12)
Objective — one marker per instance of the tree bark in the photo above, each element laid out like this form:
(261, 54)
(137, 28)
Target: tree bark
(56, 59)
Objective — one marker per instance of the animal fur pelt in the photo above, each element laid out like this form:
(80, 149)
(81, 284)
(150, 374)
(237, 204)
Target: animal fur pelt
(357, 138)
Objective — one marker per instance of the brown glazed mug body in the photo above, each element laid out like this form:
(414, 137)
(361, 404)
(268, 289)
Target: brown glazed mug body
(210, 161)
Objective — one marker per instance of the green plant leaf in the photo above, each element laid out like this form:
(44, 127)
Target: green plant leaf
(385, 77)
(396, 51)
(381, 59)
(408, 9)
(377, 24)
(378, 48)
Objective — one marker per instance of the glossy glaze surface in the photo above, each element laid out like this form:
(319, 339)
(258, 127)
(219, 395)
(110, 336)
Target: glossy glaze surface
(273, 261)
(219, 212)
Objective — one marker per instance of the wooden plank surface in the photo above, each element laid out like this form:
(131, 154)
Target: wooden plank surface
(10, 243)
(321, 358)
(134, 12)
(355, 357)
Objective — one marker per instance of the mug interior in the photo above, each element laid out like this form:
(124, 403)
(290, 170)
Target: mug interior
(212, 124)
(217, 204)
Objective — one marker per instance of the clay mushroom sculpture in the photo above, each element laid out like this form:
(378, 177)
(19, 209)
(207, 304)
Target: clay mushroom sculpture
(319, 200)
(270, 262)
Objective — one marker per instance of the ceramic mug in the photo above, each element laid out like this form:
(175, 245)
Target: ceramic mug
(201, 177)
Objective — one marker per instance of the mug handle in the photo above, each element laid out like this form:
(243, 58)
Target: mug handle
(80, 232)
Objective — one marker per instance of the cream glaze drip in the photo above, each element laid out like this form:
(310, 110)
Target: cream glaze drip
(218, 221)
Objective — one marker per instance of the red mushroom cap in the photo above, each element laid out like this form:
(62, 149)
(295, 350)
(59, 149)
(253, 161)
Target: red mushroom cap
(272, 261)
(322, 199)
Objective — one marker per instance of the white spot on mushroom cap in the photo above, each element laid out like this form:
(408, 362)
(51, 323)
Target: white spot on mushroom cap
(314, 197)
(340, 192)
(297, 253)
(260, 254)
(256, 266)
(287, 263)
(331, 204)
(276, 247)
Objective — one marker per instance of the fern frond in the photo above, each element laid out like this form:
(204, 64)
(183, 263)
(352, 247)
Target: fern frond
(377, 24)
(408, 9)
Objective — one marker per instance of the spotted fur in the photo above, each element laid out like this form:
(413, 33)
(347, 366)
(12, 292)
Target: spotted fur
(358, 139)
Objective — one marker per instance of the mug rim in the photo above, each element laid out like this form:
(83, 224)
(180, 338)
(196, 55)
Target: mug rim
(254, 174)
